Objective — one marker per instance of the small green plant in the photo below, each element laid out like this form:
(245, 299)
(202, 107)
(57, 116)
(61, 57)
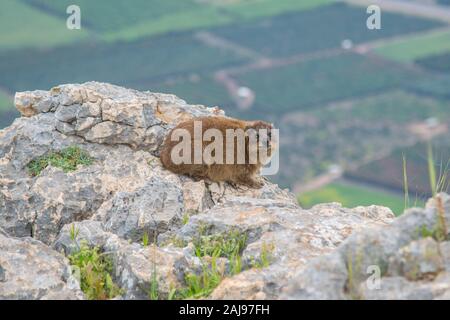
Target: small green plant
(225, 245)
(352, 283)
(235, 264)
(436, 233)
(405, 183)
(201, 285)
(209, 248)
(431, 170)
(153, 293)
(407, 202)
(355, 274)
(173, 294)
(185, 219)
(425, 232)
(154, 287)
(175, 241)
(438, 184)
(145, 240)
(95, 273)
(74, 232)
(443, 182)
(67, 159)
(265, 256)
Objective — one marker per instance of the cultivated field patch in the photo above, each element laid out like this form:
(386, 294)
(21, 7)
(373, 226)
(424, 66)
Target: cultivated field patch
(22, 26)
(130, 64)
(317, 29)
(353, 195)
(305, 86)
(410, 49)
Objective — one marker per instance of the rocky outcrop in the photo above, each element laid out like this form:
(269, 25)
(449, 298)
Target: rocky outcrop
(407, 259)
(125, 195)
(31, 270)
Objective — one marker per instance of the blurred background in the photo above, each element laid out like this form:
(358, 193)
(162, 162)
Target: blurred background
(357, 108)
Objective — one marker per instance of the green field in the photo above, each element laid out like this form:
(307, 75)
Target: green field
(22, 26)
(351, 132)
(388, 171)
(303, 86)
(390, 107)
(7, 117)
(186, 20)
(7, 110)
(439, 63)
(436, 86)
(207, 16)
(118, 20)
(105, 15)
(416, 47)
(199, 91)
(115, 20)
(316, 29)
(6, 102)
(133, 64)
(350, 196)
(258, 8)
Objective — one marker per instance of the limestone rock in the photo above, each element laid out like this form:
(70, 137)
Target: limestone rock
(136, 267)
(153, 209)
(30, 270)
(392, 262)
(420, 259)
(74, 234)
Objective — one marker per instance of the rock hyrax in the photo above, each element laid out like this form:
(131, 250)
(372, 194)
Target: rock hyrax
(240, 165)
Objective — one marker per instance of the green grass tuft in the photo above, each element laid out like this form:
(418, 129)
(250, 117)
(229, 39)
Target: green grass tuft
(67, 159)
(74, 232)
(209, 248)
(408, 49)
(95, 273)
(154, 286)
(201, 285)
(438, 184)
(265, 257)
(186, 218)
(145, 240)
(432, 171)
(405, 182)
(226, 245)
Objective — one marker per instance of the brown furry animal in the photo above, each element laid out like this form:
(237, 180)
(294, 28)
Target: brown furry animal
(243, 173)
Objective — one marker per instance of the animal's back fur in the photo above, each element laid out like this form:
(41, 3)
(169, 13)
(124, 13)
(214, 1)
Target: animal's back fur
(235, 173)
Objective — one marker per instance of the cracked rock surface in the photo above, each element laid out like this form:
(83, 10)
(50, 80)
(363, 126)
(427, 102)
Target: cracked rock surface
(400, 261)
(125, 193)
